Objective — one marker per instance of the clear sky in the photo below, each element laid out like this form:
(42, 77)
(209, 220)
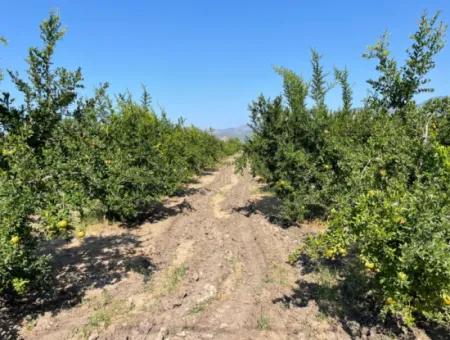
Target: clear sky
(206, 60)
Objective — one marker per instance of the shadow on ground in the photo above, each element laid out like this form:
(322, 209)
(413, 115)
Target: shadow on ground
(270, 207)
(346, 300)
(267, 206)
(94, 263)
(202, 173)
(158, 212)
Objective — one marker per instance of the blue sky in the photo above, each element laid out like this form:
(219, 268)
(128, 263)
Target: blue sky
(206, 60)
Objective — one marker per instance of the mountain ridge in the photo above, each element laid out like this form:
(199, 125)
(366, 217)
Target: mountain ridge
(241, 132)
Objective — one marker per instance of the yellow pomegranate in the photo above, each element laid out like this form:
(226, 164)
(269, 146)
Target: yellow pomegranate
(369, 265)
(62, 224)
(343, 251)
(402, 276)
(329, 253)
(446, 299)
(15, 240)
(80, 234)
(390, 301)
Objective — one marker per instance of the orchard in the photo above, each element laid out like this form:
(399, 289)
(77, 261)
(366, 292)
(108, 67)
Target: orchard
(378, 175)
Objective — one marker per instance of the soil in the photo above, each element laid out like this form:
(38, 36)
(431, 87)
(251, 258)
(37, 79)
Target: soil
(211, 264)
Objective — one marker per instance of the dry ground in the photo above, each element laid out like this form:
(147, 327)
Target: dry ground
(211, 265)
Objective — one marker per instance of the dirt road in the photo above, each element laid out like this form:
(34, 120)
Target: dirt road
(211, 266)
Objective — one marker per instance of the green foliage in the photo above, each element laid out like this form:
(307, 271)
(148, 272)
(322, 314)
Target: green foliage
(319, 87)
(295, 89)
(64, 159)
(347, 92)
(438, 109)
(380, 177)
(231, 146)
(49, 93)
(286, 149)
(21, 268)
(399, 233)
(397, 86)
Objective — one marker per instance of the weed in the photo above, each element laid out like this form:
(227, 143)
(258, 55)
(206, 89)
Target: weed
(199, 307)
(263, 323)
(175, 277)
(106, 310)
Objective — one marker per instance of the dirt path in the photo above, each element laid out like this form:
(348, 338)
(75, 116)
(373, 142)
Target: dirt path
(209, 269)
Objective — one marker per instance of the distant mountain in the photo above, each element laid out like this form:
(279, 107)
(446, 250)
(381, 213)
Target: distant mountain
(241, 132)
